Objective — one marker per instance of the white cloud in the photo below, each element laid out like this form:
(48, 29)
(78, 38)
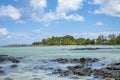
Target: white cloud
(73, 17)
(99, 23)
(45, 17)
(4, 34)
(3, 31)
(98, 1)
(38, 4)
(108, 7)
(68, 5)
(64, 7)
(10, 11)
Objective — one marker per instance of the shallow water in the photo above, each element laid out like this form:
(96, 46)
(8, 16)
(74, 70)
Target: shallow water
(36, 57)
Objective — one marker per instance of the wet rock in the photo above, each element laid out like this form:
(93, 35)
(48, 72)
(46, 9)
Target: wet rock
(61, 60)
(1, 71)
(1, 67)
(112, 71)
(13, 59)
(3, 55)
(90, 48)
(80, 70)
(74, 70)
(75, 67)
(81, 60)
(61, 72)
(13, 66)
(4, 58)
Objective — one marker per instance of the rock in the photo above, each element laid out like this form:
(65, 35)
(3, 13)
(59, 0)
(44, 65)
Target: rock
(8, 78)
(75, 67)
(14, 60)
(3, 55)
(90, 48)
(1, 71)
(79, 70)
(112, 72)
(81, 60)
(82, 72)
(61, 60)
(74, 70)
(4, 58)
(13, 66)
(1, 67)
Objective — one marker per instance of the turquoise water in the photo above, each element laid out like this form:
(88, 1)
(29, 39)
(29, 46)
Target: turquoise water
(33, 55)
(62, 51)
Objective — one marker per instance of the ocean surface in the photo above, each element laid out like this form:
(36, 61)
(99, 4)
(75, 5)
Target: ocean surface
(36, 57)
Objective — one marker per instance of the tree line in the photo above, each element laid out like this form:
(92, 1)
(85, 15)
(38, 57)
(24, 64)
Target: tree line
(111, 39)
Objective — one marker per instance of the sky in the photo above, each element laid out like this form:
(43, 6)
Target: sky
(26, 21)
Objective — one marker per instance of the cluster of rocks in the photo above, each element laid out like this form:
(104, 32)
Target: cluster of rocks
(82, 69)
(111, 72)
(74, 70)
(81, 60)
(6, 58)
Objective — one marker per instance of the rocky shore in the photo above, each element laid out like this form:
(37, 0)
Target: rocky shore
(81, 67)
(84, 68)
(8, 59)
(111, 71)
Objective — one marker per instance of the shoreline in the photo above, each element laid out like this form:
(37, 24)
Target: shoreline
(82, 67)
(56, 45)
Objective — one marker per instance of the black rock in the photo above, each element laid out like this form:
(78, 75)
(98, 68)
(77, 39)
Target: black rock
(13, 66)
(81, 60)
(1, 71)
(4, 58)
(112, 71)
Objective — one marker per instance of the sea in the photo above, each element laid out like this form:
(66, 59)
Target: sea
(36, 61)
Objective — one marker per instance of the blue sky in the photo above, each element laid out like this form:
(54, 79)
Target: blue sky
(26, 21)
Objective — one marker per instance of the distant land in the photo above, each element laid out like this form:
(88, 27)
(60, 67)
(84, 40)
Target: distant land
(111, 39)
(17, 45)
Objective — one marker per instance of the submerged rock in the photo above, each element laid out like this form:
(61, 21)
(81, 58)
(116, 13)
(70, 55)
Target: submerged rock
(2, 71)
(1, 67)
(13, 66)
(4, 58)
(92, 48)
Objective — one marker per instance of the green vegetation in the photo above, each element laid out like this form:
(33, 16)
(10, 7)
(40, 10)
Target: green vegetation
(112, 39)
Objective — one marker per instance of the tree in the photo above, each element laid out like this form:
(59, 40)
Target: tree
(101, 40)
(44, 42)
(112, 39)
(118, 39)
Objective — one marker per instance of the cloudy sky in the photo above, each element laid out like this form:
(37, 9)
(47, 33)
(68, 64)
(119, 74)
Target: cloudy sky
(26, 21)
